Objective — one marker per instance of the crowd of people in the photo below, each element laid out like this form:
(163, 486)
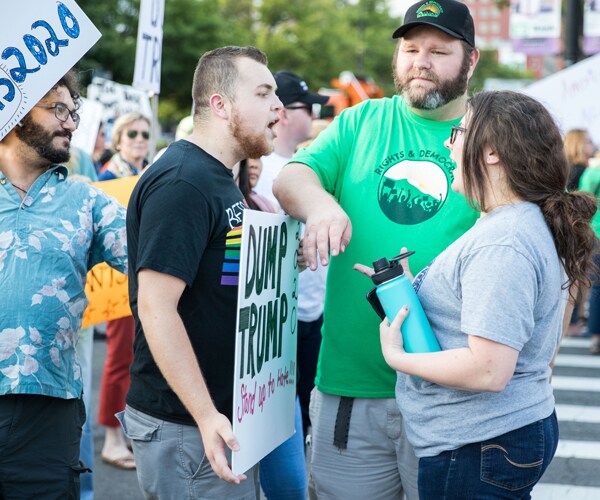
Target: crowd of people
(499, 208)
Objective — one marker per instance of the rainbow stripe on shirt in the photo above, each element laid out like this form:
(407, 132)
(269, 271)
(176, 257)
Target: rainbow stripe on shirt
(231, 264)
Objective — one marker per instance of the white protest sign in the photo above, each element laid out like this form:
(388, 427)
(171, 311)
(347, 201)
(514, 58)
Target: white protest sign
(264, 389)
(591, 27)
(591, 18)
(148, 53)
(39, 42)
(535, 19)
(571, 95)
(118, 99)
(534, 26)
(91, 117)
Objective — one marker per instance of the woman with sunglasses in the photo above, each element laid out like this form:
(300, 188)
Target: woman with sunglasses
(130, 140)
(480, 413)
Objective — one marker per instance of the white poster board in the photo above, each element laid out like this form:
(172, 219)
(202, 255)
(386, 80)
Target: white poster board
(571, 95)
(591, 26)
(148, 53)
(117, 99)
(591, 18)
(40, 41)
(264, 390)
(91, 117)
(534, 26)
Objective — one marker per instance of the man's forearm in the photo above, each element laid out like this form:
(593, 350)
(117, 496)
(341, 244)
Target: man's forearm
(298, 189)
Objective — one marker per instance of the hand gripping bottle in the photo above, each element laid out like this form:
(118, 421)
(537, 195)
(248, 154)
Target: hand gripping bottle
(393, 290)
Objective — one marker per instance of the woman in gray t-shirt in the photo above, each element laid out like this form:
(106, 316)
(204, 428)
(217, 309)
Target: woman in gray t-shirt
(480, 413)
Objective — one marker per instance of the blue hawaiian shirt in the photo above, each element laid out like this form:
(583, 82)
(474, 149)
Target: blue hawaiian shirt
(48, 243)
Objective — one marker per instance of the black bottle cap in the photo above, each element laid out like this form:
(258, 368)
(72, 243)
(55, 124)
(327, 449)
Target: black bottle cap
(388, 270)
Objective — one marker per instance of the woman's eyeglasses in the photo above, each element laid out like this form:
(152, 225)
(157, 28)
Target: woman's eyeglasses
(455, 130)
(132, 134)
(62, 112)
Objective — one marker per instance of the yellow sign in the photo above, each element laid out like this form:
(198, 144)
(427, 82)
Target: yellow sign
(106, 289)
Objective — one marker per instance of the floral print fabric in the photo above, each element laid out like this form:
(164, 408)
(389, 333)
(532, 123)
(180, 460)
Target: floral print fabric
(49, 240)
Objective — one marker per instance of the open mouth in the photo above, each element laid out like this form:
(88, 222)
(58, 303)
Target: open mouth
(270, 126)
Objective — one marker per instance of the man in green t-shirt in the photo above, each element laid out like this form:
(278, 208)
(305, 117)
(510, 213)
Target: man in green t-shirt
(381, 175)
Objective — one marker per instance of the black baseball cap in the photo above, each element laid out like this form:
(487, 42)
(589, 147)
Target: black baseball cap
(291, 88)
(450, 16)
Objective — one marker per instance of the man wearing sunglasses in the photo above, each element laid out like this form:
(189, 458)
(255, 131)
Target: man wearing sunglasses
(51, 233)
(381, 175)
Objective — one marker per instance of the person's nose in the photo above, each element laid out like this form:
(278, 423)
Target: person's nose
(69, 124)
(278, 105)
(448, 144)
(422, 60)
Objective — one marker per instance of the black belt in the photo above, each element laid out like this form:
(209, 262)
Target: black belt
(342, 423)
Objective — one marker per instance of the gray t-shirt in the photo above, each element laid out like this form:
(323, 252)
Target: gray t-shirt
(501, 281)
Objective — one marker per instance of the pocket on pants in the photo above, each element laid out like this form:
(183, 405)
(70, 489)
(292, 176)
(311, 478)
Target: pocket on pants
(514, 460)
(138, 427)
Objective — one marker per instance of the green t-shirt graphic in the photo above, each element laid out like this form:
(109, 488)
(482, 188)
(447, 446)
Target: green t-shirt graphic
(391, 173)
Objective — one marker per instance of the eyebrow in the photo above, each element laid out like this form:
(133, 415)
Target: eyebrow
(265, 86)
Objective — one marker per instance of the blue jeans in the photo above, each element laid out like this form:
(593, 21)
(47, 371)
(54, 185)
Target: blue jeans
(283, 471)
(507, 467)
(309, 344)
(594, 306)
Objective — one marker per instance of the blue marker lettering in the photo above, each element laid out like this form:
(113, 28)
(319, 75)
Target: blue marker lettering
(53, 44)
(10, 94)
(36, 48)
(20, 73)
(65, 14)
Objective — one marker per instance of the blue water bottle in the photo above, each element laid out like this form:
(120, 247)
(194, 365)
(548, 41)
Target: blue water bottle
(393, 290)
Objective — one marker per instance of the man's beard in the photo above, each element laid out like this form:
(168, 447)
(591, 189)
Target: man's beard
(444, 91)
(38, 138)
(252, 145)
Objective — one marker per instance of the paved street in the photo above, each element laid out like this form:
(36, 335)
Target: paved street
(110, 483)
(573, 475)
(575, 471)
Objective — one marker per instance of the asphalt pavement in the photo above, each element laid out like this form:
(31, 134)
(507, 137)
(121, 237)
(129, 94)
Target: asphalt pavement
(573, 475)
(110, 483)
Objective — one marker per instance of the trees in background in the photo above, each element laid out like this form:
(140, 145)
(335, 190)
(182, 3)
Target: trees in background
(314, 38)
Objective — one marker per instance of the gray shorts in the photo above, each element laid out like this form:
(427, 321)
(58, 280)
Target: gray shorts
(378, 463)
(171, 463)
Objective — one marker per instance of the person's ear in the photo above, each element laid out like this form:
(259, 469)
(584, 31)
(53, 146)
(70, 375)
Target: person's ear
(220, 106)
(491, 156)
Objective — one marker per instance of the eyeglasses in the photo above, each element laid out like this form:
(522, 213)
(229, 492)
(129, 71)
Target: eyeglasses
(455, 130)
(307, 107)
(132, 134)
(62, 112)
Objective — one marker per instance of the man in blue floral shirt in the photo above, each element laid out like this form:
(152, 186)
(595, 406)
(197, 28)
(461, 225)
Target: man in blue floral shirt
(51, 233)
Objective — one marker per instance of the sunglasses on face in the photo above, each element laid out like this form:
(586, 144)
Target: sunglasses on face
(455, 130)
(132, 134)
(307, 107)
(62, 112)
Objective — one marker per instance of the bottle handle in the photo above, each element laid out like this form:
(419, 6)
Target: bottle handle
(402, 256)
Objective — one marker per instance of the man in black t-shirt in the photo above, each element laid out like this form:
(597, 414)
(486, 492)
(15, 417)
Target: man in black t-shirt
(184, 223)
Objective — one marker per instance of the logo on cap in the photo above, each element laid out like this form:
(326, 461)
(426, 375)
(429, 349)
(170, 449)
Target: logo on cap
(429, 9)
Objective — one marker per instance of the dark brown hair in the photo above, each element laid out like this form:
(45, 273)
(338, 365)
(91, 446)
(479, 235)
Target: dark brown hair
(244, 184)
(71, 82)
(217, 73)
(526, 139)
